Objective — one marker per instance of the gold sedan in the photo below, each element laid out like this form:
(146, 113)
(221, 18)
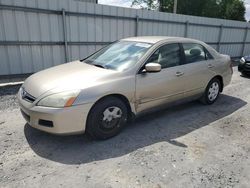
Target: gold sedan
(99, 94)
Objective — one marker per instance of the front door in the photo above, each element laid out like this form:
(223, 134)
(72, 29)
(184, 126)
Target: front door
(153, 89)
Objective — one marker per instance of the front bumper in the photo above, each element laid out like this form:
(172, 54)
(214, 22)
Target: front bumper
(244, 68)
(69, 120)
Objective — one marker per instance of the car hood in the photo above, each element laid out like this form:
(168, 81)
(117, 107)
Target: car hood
(69, 76)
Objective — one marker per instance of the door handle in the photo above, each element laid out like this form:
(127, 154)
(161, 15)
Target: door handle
(210, 66)
(179, 73)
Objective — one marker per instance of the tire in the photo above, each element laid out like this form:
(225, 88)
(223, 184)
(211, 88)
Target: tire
(212, 92)
(243, 74)
(107, 118)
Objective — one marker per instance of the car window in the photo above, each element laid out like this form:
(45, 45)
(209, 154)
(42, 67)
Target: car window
(167, 56)
(119, 56)
(208, 55)
(194, 52)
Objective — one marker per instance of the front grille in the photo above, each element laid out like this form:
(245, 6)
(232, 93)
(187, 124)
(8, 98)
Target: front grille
(247, 66)
(26, 96)
(29, 98)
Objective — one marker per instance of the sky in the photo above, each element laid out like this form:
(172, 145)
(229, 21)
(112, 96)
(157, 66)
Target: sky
(247, 15)
(127, 3)
(121, 3)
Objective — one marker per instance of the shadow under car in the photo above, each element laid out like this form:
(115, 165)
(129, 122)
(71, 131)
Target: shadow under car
(165, 125)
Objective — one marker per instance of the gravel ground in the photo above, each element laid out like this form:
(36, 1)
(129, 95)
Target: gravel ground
(8, 100)
(190, 145)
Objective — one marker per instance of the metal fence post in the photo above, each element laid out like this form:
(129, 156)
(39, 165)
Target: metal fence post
(219, 37)
(186, 28)
(137, 25)
(244, 42)
(65, 34)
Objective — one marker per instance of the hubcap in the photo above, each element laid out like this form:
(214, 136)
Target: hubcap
(213, 91)
(111, 117)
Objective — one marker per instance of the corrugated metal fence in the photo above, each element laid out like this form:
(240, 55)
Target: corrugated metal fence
(37, 34)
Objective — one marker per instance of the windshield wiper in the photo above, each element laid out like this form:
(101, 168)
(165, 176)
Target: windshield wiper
(95, 64)
(98, 65)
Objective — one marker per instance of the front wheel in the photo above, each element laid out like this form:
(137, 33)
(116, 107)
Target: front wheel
(212, 91)
(107, 118)
(243, 74)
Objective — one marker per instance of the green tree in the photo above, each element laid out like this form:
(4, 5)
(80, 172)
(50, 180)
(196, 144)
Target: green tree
(191, 7)
(226, 9)
(210, 9)
(146, 4)
(166, 5)
(232, 10)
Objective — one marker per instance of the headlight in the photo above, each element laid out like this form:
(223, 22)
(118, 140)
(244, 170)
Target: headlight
(59, 100)
(242, 60)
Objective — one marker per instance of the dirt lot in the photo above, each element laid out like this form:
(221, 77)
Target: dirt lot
(190, 145)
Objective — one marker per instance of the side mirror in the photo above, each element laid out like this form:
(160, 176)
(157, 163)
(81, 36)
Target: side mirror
(153, 67)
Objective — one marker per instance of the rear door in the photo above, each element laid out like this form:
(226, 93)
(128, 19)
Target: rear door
(198, 68)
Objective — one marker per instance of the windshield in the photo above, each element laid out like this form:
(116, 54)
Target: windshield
(119, 56)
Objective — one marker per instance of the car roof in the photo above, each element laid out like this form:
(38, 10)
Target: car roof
(155, 39)
(159, 39)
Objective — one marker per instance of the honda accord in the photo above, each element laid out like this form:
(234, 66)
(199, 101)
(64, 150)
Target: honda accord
(101, 93)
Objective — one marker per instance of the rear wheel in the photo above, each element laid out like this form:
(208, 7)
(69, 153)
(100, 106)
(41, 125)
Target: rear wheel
(107, 118)
(212, 91)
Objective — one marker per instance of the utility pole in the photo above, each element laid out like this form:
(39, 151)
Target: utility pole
(175, 6)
